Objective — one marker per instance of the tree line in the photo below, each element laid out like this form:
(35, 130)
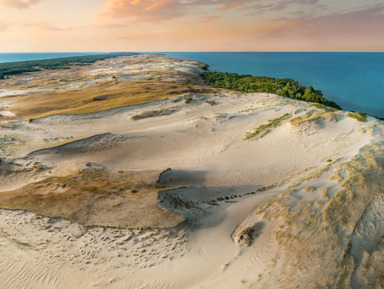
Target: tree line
(284, 87)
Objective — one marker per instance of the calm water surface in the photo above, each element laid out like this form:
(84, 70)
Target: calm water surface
(13, 57)
(355, 81)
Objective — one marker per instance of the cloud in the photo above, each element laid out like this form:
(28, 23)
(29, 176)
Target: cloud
(339, 31)
(139, 36)
(44, 26)
(114, 25)
(157, 5)
(267, 5)
(232, 4)
(142, 10)
(288, 6)
(160, 10)
(48, 27)
(20, 4)
(208, 19)
(354, 22)
(205, 19)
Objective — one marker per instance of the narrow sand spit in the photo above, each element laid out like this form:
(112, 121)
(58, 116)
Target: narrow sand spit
(85, 197)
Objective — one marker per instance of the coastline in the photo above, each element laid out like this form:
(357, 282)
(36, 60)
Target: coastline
(271, 188)
(337, 75)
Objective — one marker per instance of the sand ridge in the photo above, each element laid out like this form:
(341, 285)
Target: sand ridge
(253, 206)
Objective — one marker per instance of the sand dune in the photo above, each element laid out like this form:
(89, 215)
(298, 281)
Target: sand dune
(297, 206)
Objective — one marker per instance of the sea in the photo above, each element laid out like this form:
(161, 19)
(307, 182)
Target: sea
(14, 57)
(355, 81)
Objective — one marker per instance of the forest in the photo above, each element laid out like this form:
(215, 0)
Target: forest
(12, 68)
(284, 87)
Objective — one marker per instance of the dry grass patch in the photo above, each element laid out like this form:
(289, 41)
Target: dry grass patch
(153, 113)
(97, 197)
(86, 100)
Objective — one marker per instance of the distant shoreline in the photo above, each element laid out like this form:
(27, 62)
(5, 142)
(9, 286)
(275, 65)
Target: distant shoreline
(7, 57)
(12, 68)
(377, 112)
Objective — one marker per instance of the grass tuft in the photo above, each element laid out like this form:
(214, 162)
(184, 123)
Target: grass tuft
(359, 116)
(264, 129)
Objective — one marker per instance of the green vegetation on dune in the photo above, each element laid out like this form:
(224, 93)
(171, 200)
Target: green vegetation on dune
(284, 87)
(264, 129)
(359, 116)
(12, 68)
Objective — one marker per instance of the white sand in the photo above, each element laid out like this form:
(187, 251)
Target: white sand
(6, 113)
(203, 142)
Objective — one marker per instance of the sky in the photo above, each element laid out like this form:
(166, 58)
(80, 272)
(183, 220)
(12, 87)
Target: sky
(191, 25)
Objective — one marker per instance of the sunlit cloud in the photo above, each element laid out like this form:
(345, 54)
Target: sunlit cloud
(186, 25)
(232, 4)
(142, 10)
(113, 25)
(137, 36)
(205, 19)
(208, 19)
(158, 5)
(355, 22)
(162, 10)
(286, 7)
(340, 31)
(20, 4)
(46, 27)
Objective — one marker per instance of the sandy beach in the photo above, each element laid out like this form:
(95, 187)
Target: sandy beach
(171, 193)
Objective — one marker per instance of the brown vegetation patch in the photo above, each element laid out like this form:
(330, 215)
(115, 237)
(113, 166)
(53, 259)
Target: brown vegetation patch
(246, 236)
(321, 240)
(75, 101)
(153, 113)
(97, 197)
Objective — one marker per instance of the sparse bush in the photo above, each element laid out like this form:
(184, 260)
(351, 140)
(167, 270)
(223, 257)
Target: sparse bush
(264, 129)
(100, 98)
(188, 98)
(359, 116)
(153, 113)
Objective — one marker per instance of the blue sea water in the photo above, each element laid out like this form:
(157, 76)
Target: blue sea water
(13, 57)
(355, 81)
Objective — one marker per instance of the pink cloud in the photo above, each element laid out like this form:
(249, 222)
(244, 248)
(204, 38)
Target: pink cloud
(135, 2)
(205, 19)
(160, 10)
(208, 19)
(356, 22)
(43, 26)
(353, 30)
(20, 4)
(232, 4)
(142, 10)
(47, 27)
(158, 5)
